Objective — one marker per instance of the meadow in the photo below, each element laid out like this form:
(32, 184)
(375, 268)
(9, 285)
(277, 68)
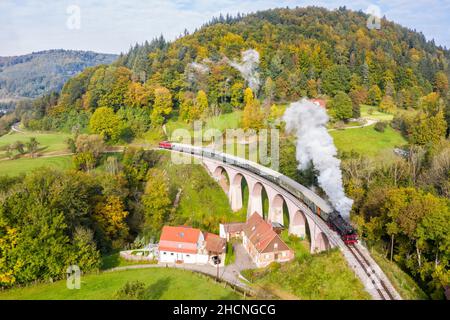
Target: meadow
(25, 165)
(161, 284)
(367, 140)
(49, 142)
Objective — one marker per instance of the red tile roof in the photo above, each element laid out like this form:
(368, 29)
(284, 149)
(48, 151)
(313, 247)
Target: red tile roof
(233, 227)
(214, 243)
(179, 239)
(261, 234)
(319, 102)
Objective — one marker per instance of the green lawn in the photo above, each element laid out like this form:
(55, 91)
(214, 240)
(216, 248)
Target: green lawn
(24, 165)
(114, 260)
(162, 284)
(375, 114)
(323, 276)
(48, 142)
(367, 140)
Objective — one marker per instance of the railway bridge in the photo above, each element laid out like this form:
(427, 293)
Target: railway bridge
(301, 218)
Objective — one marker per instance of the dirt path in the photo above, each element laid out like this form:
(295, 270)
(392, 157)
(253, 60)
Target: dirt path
(367, 124)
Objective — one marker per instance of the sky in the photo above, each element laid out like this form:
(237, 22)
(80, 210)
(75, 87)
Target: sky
(111, 26)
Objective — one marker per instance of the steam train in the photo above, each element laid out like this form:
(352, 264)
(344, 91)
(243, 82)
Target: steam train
(317, 205)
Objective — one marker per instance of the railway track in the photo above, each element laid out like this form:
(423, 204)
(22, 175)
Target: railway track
(377, 282)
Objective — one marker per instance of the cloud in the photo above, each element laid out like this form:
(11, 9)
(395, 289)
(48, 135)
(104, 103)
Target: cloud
(114, 25)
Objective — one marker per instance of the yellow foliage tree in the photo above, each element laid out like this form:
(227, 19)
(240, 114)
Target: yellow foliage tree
(110, 216)
(162, 106)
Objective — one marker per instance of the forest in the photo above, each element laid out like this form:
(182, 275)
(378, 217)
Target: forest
(38, 73)
(401, 205)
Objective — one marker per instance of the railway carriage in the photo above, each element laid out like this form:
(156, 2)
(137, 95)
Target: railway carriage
(315, 203)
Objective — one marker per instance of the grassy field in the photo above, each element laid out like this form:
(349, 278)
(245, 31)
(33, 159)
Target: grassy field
(322, 276)
(19, 166)
(162, 284)
(203, 203)
(367, 140)
(372, 112)
(48, 142)
(404, 284)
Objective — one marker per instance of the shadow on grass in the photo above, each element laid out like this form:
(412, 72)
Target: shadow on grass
(156, 290)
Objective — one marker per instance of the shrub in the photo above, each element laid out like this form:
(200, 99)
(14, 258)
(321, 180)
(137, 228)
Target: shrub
(380, 126)
(132, 290)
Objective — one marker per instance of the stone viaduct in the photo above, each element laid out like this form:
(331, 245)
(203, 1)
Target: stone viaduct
(301, 219)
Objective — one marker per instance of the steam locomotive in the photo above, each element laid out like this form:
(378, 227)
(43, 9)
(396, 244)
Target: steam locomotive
(317, 205)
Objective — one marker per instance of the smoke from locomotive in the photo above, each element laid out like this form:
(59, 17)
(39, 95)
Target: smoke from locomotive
(315, 145)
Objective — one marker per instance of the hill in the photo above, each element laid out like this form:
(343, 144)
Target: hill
(34, 74)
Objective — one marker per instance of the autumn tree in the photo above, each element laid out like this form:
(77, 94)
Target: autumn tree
(441, 83)
(237, 94)
(137, 96)
(162, 106)
(253, 116)
(186, 104)
(106, 123)
(110, 216)
(201, 104)
(374, 95)
(387, 105)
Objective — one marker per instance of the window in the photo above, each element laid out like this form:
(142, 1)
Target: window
(171, 253)
(188, 255)
(164, 252)
(275, 246)
(283, 254)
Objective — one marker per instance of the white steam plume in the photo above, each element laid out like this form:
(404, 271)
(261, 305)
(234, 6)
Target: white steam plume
(315, 145)
(198, 67)
(194, 69)
(248, 68)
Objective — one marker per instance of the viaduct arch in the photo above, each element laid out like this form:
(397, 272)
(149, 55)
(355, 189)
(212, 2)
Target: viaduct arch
(302, 221)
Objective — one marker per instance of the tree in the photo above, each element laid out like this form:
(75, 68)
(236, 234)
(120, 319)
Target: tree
(19, 146)
(428, 129)
(431, 104)
(341, 106)
(110, 216)
(201, 103)
(32, 146)
(311, 88)
(269, 89)
(106, 123)
(441, 83)
(248, 96)
(358, 96)
(237, 94)
(137, 95)
(253, 116)
(387, 105)
(336, 78)
(156, 199)
(93, 144)
(186, 104)
(84, 161)
(374, 95)
(162, 106)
